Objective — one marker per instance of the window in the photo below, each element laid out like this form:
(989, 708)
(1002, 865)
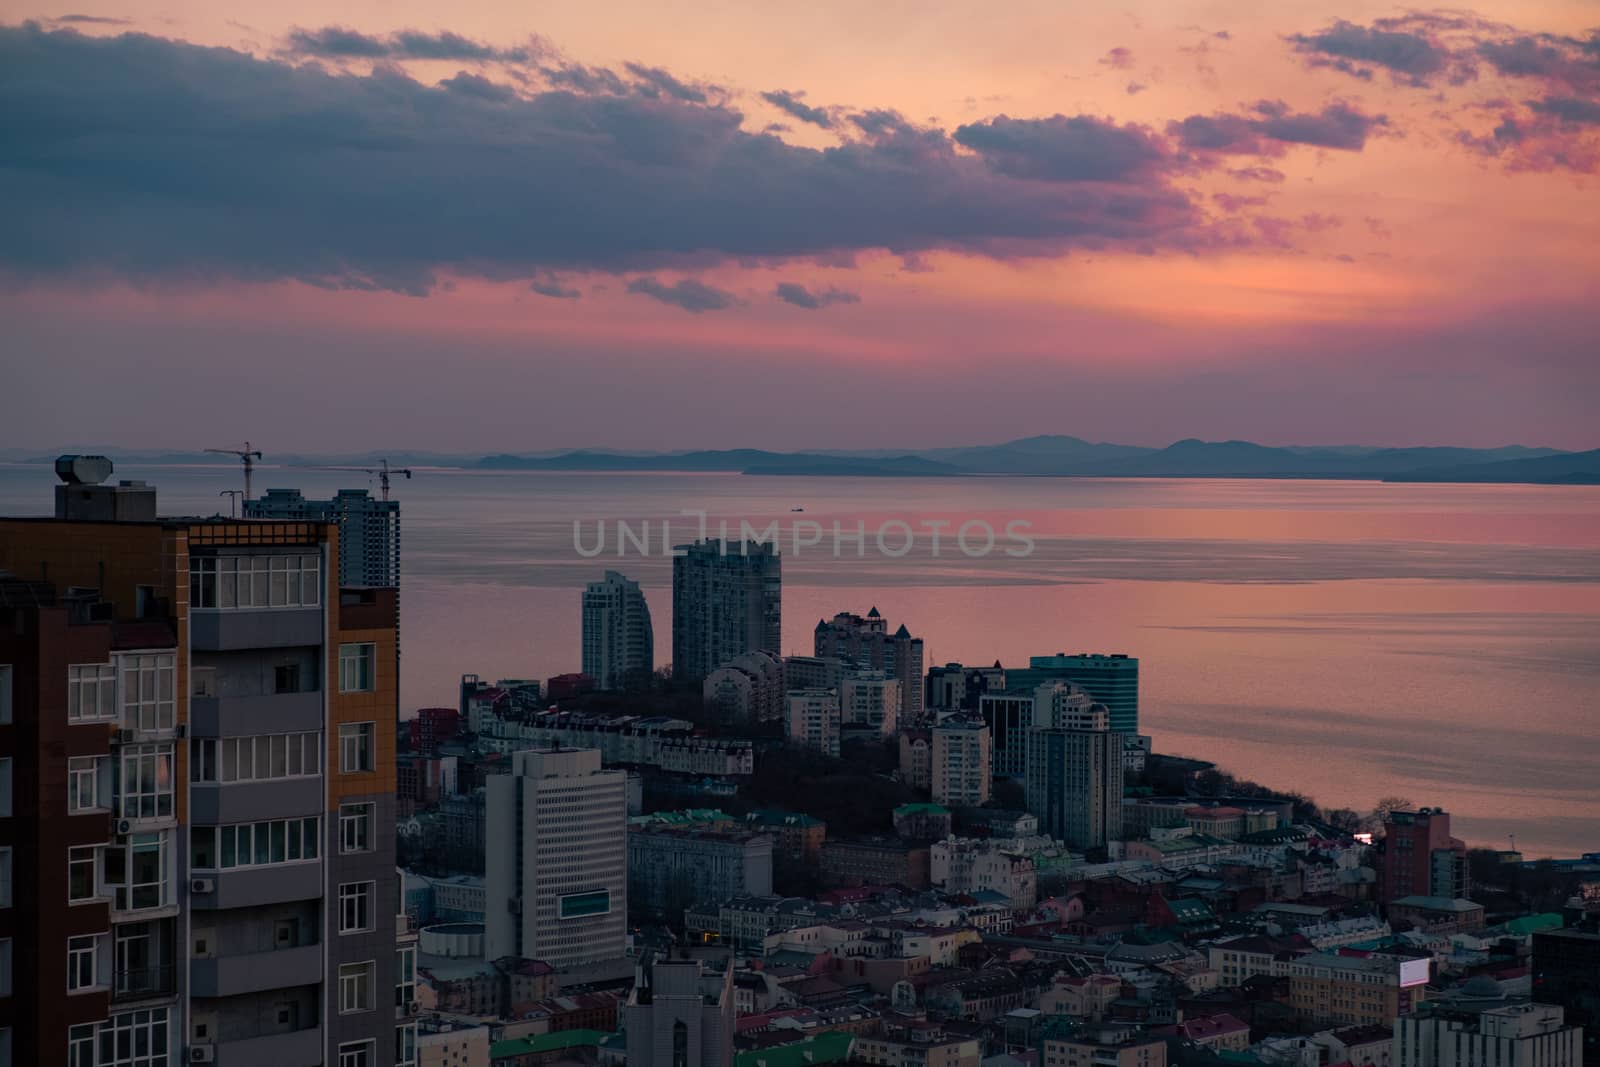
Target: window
(358, 1054)
(355, 746)
(405, 991)
(250, 759)
(145, 787)
(5, 787)
(81, 953)
(405, 1045)
(252, 582)
(137, 873)
(5, 878)
(83, 783)
(355, 907)
(135, 1039)
(355, 827)
(6, 676)
(286, 678)
(358, 668)
(5, 967)
(142, 963)
(91, 692)
(80, 1045)
(256, 844)
(355, 991)
(147, 683)
(80, 874)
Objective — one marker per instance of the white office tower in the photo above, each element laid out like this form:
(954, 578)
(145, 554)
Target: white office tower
(369, 531)
(1516, 1035)
(618, 642)
(679, 1015)
(557, 859)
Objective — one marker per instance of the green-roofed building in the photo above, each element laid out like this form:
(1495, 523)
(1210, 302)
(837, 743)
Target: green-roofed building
(922, 822)
(526, 1051)
(823, 1048)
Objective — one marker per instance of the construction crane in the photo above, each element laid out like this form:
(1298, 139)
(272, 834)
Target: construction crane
(248, 457)
(382, 472)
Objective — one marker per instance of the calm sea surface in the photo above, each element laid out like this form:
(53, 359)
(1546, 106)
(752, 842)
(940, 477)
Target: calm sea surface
(1349, 640)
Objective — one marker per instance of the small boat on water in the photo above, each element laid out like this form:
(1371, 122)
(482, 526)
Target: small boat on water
(797, 509)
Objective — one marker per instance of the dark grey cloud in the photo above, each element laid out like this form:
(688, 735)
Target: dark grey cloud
(1569, 109)
(654, 81)
(551, 286)
(89, 20)
(1257, 174)
(1120, 58)
(800, 296)
(789, 102)
(686, 293)
(145, 158)
(338, 42)
(1059, 148)
(1412, 55)
(1271, 125)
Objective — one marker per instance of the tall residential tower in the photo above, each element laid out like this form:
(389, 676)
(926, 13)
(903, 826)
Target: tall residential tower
(619, 646)
(727, 599)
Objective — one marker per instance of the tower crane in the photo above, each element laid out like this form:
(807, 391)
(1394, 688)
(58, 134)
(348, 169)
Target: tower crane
(248, 457)
(382, 472)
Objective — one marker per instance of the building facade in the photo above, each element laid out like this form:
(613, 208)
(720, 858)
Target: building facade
(202, 753)
(813, 719)
(867, 644)
(747, 690)
(674, 868)
(369, 531)
(679, 1015)
(962, 772)
(1112, 680)
(1566, 971)
(558, 879)
(1420, 858)
(727, 599)
(619, 650)
(869, 703)
(1517, 1035)
(1074, 782)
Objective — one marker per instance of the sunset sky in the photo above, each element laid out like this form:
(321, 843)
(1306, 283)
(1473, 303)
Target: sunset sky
(490, 226)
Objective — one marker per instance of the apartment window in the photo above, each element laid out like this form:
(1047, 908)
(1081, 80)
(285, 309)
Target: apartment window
(135, 1039)
(147, 691)
(5, 967)
(355, 827)
(253, 759)
(405, 1045)
(145, 787)
(257, 844)
(137, 873)
(405, 991)
(358, 668)
(286, 678)
(355, 991)
(91, 692)
(80, 874)
(6, 677)
(81, 961)
(80, 1045)
(358, 1053)
(83, 783)
(356, 740)
(252, 582)
(5, 787)
(355, 907)
(5, 878)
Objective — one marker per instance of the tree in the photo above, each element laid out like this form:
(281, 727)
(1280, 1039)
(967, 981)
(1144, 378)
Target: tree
(1346, 819)
(1385, 805)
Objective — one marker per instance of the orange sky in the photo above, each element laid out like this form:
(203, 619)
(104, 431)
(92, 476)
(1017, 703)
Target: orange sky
(1459, 288)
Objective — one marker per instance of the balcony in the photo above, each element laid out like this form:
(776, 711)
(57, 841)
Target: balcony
(144, 983)
(254, 972)
(248, 887)
(274, 1050)
(214, 716)
(226, 631)
(255, 801)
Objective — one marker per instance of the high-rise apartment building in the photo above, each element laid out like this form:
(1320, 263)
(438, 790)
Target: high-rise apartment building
(961, 767)
(812, 719)
(869, 702)
(1112, 680)
(1516, 1035)
(727, 599)
(1566, 971)
(1074, 780)
(867, 644)
(198, 764)
(369, 531)
(619, 649)
(557, 872)
(679, 1015)
(954, 687)
(1009, 716)
(1420, 858)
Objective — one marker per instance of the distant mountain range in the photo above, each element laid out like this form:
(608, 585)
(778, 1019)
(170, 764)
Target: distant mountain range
(1051, 455)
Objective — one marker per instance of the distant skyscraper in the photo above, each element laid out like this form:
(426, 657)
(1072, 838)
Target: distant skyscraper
(866, 643)
(618, 642)
(726, 600)
(1074, 782)
(369, 531)
(557, 871)
(679, 1015)
(1112, 680)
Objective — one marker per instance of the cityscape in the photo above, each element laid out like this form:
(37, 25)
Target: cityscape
(678, 533)
(698, 851)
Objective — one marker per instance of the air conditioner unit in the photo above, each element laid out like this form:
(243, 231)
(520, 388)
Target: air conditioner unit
(202, 1053)
(124, 827)
(122, 735)
(412, 1007)
(202, 885)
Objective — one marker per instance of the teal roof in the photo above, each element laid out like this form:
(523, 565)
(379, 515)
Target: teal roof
(553, 1042)
(1532, 924)
(773, 817)
(823, 1048)
(922, 809)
